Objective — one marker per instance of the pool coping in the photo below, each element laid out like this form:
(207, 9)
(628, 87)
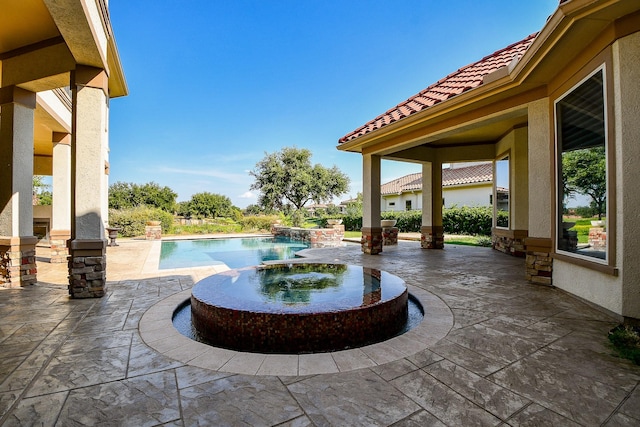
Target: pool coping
(157, 331)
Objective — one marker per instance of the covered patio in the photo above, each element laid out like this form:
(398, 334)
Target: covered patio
(512, 354)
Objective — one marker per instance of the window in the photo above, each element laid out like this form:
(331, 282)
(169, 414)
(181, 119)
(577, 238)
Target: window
(407, 205)
(392, 203)
(581, 167)
(502, 192)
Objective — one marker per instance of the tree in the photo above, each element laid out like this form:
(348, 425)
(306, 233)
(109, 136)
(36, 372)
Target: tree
(209, 205)
(123, 195)
(585, 172)
(41, 193)
(288, 178)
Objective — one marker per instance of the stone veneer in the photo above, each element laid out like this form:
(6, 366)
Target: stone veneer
(371, 240)
(153, 232)
(316, 237)
(539, 264)
(598, 238)
(59, 246)
(18, 261)
(509, 241)
(431, 237)
(389, 236)
(87, 268)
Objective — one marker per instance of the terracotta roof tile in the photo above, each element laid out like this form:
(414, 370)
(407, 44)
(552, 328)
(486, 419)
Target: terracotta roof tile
(464, 79)
(450, 176)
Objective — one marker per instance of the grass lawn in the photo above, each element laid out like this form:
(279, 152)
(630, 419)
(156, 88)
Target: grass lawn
(451, 239)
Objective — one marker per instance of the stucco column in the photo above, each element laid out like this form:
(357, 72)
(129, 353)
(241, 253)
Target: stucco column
(371, 229)
(539, 264)
(626, 54)
(61, 210)
(87, 247)
(432, 232)
(17, 243)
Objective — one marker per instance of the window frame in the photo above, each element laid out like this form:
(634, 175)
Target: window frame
(606, 265)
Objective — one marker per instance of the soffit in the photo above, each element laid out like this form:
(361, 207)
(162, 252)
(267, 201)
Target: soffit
(17, 32)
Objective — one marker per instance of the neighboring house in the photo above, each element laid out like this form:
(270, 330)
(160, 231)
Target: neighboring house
(59, 68)
(570, 89)
(462, 185)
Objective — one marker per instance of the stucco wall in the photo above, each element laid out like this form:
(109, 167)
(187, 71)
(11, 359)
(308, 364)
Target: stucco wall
(626, 75)
(468, 195)
(540, 159)
(620, 294)
(472, 195)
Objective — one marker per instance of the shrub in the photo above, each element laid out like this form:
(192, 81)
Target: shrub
(133, 220)
(258, 222)
(468, 220)
(352, 222)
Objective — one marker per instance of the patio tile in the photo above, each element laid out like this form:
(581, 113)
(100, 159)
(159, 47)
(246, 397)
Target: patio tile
(349, 360)
(43, 410)
(577, 397)
(244, 363)
(239, 400)
(395, 369)
(424, 358)
(420, 419)
(469, 359)
(489, 396)
(320, 363)
(441, 401)
(279, 364)
(66, 372)
(536, 415)
(495, 344)
(146, 400)
(358, 398)
(189, 376)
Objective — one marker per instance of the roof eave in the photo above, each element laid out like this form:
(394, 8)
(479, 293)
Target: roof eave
(549, 37)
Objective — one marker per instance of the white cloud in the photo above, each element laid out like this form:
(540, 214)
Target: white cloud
(247, 195)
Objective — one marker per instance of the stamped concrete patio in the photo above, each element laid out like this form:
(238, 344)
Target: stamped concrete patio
(510, 353)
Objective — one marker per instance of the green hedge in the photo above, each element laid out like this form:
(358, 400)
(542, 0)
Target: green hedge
(258, 222)
(132, 221)
(456, 220)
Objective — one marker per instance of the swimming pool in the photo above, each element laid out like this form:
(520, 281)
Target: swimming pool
(234, 252)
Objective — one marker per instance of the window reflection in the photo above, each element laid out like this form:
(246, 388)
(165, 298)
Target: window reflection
(582, 170)
(502, 192)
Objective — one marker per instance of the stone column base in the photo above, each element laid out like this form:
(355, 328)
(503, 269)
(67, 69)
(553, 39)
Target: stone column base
(18, 261)
(432, 237)
(509, 241)
(371, 240)
(389, 236)
(539, 263)
(153, 232)
(87, 268)
(59, 246)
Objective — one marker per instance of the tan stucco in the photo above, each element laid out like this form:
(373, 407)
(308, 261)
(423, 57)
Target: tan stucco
(540, 159)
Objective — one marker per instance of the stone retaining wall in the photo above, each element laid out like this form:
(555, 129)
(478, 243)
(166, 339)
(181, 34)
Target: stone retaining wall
(316, 237)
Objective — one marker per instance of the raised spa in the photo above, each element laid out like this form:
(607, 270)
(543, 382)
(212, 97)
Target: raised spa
(298, 308)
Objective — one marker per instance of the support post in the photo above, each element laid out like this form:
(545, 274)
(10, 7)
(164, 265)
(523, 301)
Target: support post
(432, 232)
(17, 243)
(87, 247)
(371, 229)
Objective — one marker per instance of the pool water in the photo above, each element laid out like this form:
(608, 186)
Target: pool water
(234, 252)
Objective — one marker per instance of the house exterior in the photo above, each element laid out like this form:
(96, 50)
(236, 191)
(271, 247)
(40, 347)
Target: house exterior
(570, 90)
(468, 185)
(59, 67)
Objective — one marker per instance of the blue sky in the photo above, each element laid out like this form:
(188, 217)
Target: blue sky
(214, 85)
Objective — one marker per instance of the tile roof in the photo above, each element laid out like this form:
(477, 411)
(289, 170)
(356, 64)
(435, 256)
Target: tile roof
(466, 78)
(450, 177)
